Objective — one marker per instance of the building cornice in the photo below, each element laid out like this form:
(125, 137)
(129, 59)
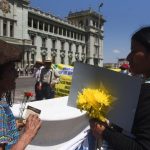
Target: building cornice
(24, 3)
(4, 17)
(55, 19)
(16, 41)
(53, 37)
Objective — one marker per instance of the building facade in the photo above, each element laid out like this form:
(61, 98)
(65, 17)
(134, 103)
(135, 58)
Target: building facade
(42, 35)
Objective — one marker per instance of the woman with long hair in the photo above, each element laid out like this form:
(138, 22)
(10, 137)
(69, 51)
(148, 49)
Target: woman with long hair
(139, 61)
(9, 135)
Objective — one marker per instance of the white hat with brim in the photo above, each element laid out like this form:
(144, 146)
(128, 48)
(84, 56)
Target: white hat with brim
(39, 61)
(48, 60)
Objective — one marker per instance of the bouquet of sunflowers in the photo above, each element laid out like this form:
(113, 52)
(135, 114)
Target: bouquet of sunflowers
(96, 102)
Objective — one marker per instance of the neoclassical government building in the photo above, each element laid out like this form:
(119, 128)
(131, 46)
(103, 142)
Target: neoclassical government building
(78, 37)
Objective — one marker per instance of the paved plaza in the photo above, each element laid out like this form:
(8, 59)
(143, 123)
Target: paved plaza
(24, 84)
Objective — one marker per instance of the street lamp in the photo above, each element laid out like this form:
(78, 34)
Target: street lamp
(100, 5)
(99, 32)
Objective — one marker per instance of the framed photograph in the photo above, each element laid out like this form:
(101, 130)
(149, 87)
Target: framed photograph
(123, 87)
(30, 110)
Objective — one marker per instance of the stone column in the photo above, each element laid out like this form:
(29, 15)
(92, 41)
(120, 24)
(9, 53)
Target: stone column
(8, 28)
(53, 28)
(48, 28)
(15, 28)
(30, 57)
(15, 10)
(1, 27)
(43, 25)
(83, 37)
(91, 22)
(31, 23)
(38, 24)
(57, 30)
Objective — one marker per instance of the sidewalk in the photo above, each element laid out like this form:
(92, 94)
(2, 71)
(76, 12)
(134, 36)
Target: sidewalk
(29, 76)
(23, 84)
(19, 95)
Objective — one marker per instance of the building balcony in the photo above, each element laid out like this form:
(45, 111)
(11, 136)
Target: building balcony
(53, 52)
(83, 56)
(96, 56)
(77, 55)
(62, 53)
(43, 51)
(70, 54)
(33, 50)
(96, 44)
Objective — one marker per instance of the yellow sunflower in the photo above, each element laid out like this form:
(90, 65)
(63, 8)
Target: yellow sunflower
(96, 102)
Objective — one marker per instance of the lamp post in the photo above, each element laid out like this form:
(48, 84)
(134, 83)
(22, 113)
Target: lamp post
(100, 5)
(99, 32)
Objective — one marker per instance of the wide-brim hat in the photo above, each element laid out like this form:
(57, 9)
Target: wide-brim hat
(48, 60)
(9, 52)
(39, 61)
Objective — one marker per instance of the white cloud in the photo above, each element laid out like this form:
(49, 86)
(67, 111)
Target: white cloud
(116, 51)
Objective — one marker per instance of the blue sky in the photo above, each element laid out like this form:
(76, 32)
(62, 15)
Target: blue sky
(123, 17)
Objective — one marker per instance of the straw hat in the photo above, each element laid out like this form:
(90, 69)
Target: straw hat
(39, 61)
(48, 60)
(9, 52)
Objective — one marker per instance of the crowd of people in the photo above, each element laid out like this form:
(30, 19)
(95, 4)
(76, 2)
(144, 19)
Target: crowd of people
(139, 62)
(25, 71)
(46, 78)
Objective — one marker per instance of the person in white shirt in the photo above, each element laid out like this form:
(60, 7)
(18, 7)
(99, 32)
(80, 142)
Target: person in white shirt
(46, 78)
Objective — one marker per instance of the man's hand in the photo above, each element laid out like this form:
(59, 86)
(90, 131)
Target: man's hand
(97, 128)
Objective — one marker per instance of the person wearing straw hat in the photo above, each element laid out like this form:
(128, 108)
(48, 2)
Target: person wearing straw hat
(46, 78)
(9, 136)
